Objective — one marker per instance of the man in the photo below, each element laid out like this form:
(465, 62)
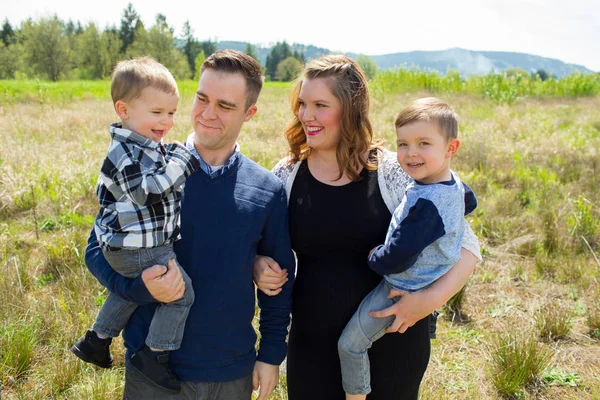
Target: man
(232, 209)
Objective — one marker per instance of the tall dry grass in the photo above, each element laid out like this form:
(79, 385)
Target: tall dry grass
(534, 166)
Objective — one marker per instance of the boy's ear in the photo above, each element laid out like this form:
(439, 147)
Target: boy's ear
(122, 109)
(453, 146)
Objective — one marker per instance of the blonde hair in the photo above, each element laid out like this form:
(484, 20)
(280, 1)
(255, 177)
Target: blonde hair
(348, 84)
(433, 110)
(131, 77)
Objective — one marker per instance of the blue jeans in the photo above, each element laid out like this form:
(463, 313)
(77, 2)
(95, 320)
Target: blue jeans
(358, 336)
(166, 328)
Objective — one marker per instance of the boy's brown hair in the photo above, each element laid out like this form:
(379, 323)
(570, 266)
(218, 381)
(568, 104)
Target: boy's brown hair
(433, 110)
(130, 77)
(236, 62)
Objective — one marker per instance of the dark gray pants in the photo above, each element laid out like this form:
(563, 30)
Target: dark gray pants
(137, 388)
(166, 328)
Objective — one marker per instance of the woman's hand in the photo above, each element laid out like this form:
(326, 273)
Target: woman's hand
(268, 275)
(411, 307)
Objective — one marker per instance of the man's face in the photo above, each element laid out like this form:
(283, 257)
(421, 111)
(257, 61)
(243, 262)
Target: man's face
(219, 110)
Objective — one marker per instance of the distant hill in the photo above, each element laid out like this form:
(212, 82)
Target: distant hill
(466, 62)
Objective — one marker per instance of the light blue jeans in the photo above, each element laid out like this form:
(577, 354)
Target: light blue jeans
(166, 328)
(358, 336)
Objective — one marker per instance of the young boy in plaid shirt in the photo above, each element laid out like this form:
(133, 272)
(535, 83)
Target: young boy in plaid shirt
(139, 190)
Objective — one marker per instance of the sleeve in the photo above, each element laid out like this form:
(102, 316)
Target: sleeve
(275, 310)
(470, 241)
(133, 290)
(145, 186)
(470, 200)
(422, 226)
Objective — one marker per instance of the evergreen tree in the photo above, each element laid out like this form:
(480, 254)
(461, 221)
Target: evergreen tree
(279, 52)
(209, 47)
(251, 51)
(7, 34)
(129, 24)
(191, 46)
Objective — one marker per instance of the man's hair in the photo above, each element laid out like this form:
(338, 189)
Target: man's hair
(433, 110)
(348, 84)
(236, 62)
(131, 77)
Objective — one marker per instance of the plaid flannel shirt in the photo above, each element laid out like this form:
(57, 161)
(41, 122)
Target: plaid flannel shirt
(139, 189)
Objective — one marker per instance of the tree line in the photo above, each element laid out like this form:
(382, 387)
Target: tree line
(53, 49)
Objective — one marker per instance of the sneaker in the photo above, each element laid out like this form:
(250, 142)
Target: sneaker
(90, 348)
(154, 367)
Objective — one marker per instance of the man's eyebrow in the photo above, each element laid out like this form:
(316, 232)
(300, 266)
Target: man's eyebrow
(223, 102)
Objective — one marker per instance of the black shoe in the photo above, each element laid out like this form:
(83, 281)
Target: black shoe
(154, 367)
(90, 348)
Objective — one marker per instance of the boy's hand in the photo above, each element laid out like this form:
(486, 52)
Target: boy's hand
(165, 284)
(268, 275)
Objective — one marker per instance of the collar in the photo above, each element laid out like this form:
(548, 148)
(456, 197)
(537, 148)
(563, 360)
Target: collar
(212, 170)
(118, 133)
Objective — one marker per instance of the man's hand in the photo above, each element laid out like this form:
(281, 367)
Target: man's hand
(412, 307)
(165, 284)
(268, 275)
(264, 376)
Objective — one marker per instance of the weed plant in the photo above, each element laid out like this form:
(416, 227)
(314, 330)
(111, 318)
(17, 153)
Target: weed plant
(517, 361)
(553, 321)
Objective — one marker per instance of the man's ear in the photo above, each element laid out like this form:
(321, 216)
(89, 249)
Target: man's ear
(453, 146)
(122, 109)
(250, 112)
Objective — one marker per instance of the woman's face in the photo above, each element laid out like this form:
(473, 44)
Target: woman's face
(320, 113)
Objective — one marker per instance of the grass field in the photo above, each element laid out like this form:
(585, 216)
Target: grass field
(527, 325)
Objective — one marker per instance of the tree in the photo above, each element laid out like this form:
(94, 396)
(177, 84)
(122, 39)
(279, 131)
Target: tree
(198, 65)
(10, 60)
(7, 34)
(46, 49)
(279, 52)
(368, 66)
(516, 73)
(159, 43)
(251, 51)
(191, 46)
(543, 74)
(97, 52)
(209, 47)
(289, 69)
(89, 54)
(129, 24)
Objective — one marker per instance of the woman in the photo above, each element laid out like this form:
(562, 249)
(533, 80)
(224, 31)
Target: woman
(342, 190)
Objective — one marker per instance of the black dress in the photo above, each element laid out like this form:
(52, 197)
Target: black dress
(332, 229)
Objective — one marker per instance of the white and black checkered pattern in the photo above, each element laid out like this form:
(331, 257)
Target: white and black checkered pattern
(139, 189)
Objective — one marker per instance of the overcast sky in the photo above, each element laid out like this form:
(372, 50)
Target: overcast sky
(565, 30)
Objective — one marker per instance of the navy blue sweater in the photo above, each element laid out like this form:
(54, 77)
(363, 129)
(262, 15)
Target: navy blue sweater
(225, 222)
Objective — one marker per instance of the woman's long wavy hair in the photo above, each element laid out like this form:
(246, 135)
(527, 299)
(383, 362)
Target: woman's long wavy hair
(348, 84)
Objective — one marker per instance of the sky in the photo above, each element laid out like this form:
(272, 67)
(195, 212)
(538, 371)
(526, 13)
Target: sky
(564, 30)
